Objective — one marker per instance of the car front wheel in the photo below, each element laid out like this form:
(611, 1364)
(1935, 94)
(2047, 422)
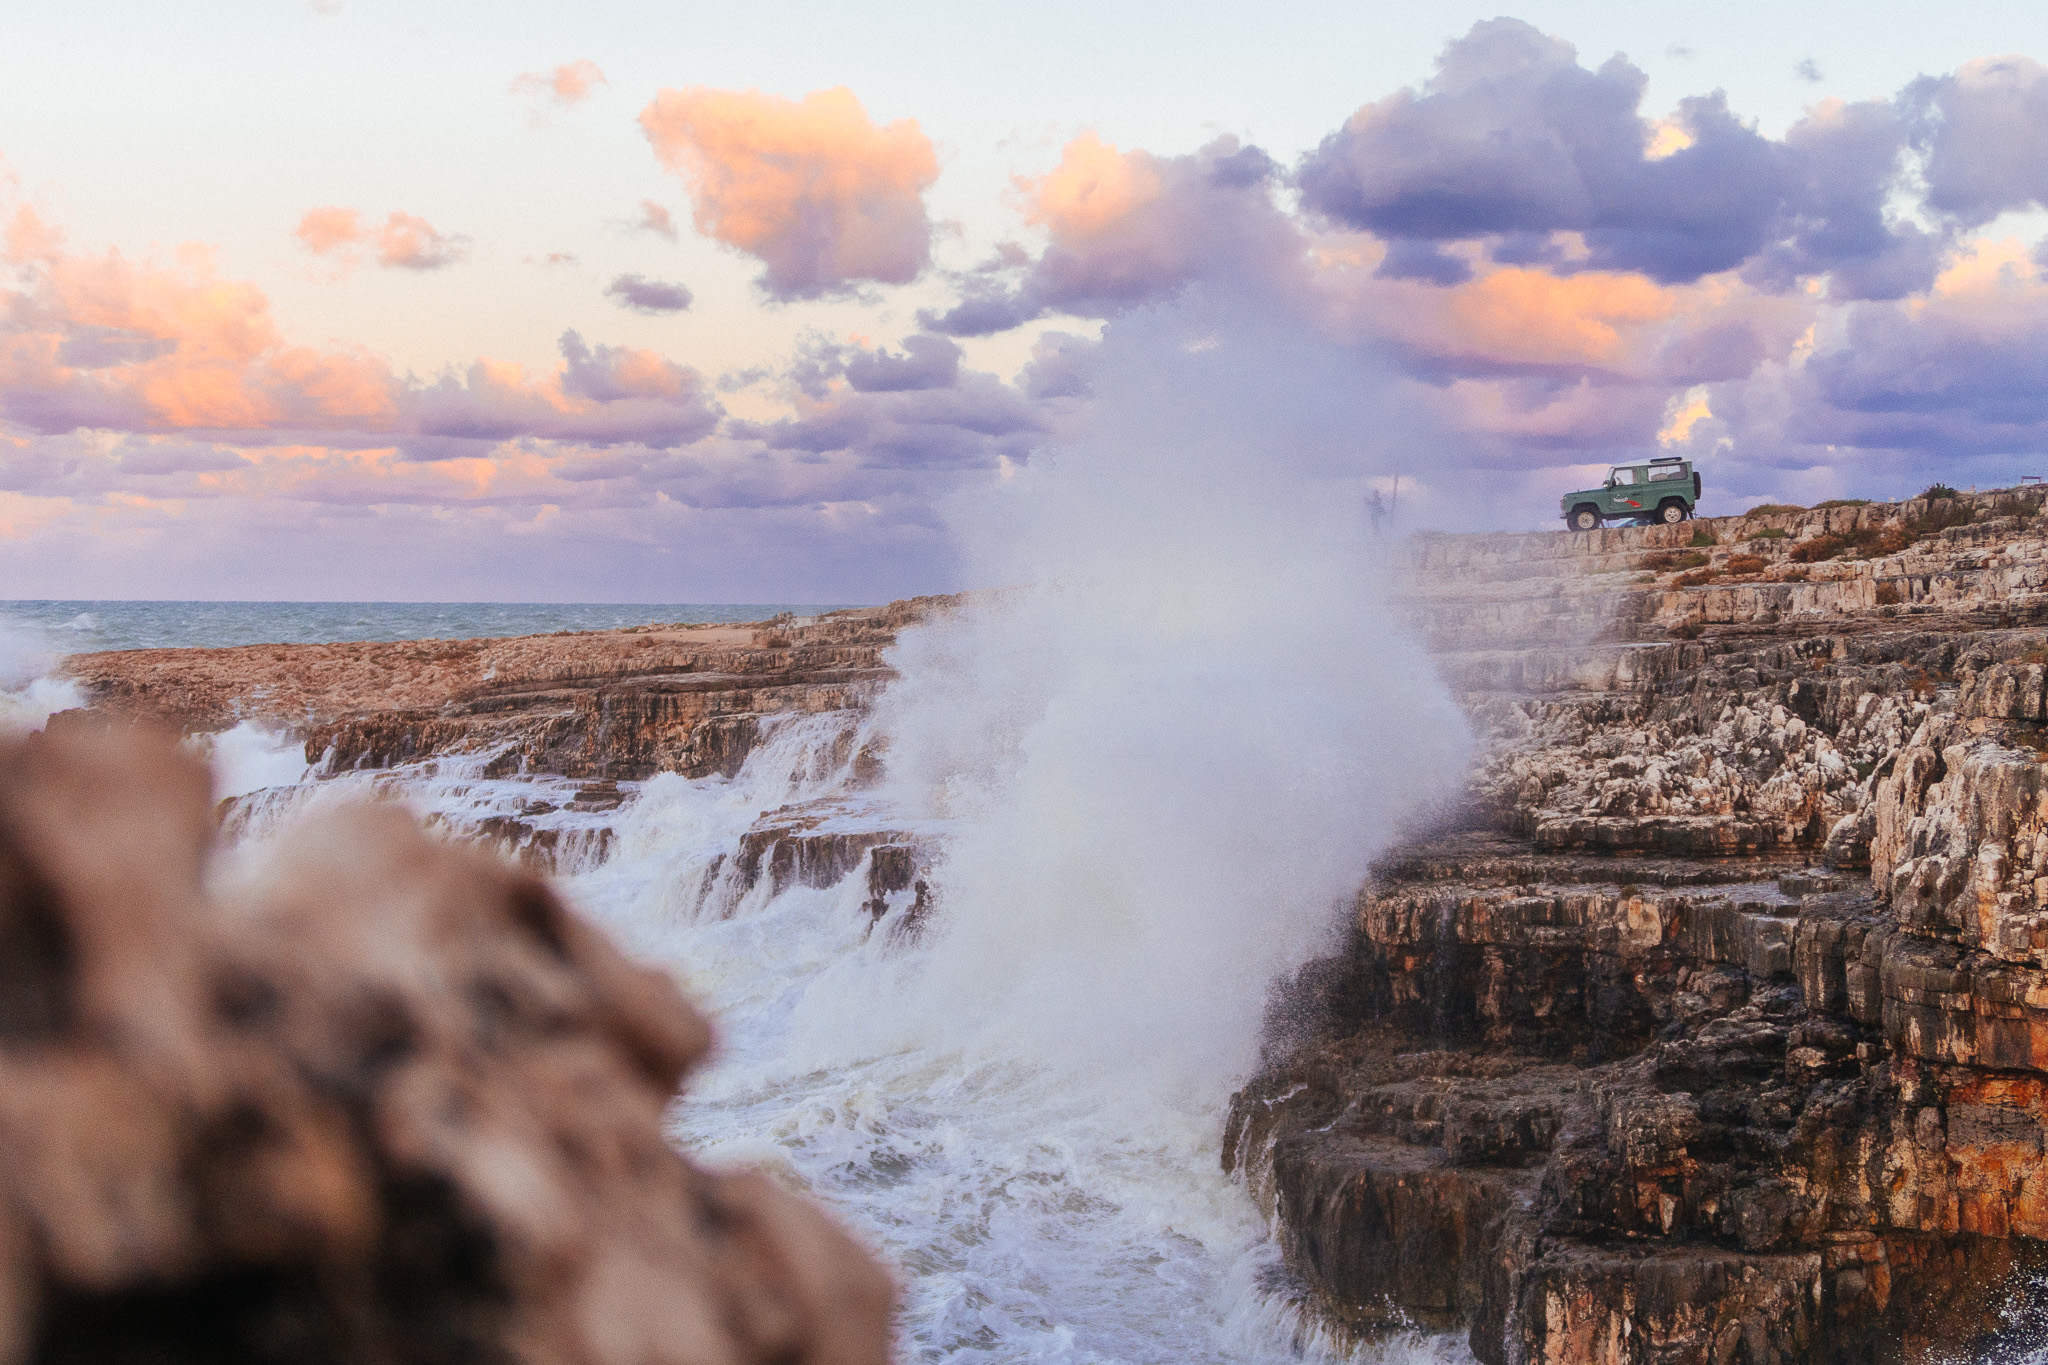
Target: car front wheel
(1671, 513)
(1583, 519)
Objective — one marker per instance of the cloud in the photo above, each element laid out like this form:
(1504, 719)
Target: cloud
(1513, 143)
(606, 395)
(1409, 259)
(1128, 228)
(404, 241)
(107, 343)
(911, 409)
(568, 84)
(1965, 369)
(1061, 366)
(656, 219)
(926, 362)
(1513, 135)
(330, 229)
(1842, 164)
(643, 295)
(1984, 131)
(814, 189)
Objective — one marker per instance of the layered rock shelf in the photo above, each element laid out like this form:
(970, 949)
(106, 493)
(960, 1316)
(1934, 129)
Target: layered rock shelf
(1719, 1030)
(622, 704)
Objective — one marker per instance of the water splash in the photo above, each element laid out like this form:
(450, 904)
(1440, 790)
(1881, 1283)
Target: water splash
(1149, 777)
(30, 693)
(251, 757)
(1146, 780)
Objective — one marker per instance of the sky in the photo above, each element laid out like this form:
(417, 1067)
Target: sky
(347, 299)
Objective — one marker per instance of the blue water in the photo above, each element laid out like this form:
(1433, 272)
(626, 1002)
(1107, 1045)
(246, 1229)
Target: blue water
(83, 627)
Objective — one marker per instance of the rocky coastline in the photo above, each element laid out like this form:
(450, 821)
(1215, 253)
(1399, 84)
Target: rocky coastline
(1714, 1030)
(607, 705)
(1718, 1032)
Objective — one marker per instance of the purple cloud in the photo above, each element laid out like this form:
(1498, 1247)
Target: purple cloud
(1130, 228)
(1512, 141)
(1984, 130)
(643, 295)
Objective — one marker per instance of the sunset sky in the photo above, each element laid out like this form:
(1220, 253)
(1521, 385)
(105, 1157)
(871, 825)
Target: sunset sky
(354, 299)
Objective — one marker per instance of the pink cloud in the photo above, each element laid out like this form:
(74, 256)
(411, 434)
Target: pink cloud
(407, 242)
(404, 241)
(656, 219)
(813, 188)
(109, 343)
(567, 84)
(329, 229)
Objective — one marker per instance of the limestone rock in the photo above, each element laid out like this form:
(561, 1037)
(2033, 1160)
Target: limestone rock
(622, 704)
(1722, 1035)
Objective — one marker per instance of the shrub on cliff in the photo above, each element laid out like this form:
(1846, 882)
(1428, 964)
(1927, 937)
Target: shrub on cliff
(1773, 509)
(1939, 490)
(1941, 514)
(1865, 542)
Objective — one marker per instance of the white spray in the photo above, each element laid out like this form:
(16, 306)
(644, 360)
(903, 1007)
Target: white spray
(29, 694)
(1178, 746)
(1153, 769)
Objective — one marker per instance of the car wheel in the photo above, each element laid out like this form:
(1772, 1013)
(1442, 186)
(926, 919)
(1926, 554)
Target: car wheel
(1671, 513)
(1583, 519)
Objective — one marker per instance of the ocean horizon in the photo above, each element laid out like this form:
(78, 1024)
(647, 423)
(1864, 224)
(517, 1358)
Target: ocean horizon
(85, 626)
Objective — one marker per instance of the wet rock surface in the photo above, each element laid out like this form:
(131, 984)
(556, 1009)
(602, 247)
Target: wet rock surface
(375, 1099)
(1720, 1033)
(622, 704)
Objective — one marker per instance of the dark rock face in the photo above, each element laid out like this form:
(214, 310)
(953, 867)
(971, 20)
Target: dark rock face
(385, 1101)
(1722, 1035)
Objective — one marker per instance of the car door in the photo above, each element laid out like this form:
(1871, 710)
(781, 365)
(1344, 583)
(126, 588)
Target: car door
(1622, 497)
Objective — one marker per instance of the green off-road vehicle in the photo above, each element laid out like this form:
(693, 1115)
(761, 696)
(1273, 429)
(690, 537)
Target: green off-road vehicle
(1660, 490)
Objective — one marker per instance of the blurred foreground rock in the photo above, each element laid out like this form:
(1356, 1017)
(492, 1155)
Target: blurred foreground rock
(383, 1100)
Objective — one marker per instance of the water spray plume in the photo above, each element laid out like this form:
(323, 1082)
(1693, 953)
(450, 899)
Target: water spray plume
(1177, 745)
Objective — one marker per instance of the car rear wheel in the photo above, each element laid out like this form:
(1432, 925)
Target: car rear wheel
(1671, 512)
(1583, 518)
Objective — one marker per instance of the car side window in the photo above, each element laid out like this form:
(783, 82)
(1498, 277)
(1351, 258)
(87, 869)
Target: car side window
(1669, 471)
(1624, 477)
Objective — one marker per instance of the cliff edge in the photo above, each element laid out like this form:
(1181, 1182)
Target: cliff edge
(1719, 1033)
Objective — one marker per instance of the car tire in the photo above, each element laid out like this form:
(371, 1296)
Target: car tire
(1671, 512)
(1583, 518)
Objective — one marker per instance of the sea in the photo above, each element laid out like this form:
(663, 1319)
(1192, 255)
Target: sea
(85, 627)
(1020, 1107)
